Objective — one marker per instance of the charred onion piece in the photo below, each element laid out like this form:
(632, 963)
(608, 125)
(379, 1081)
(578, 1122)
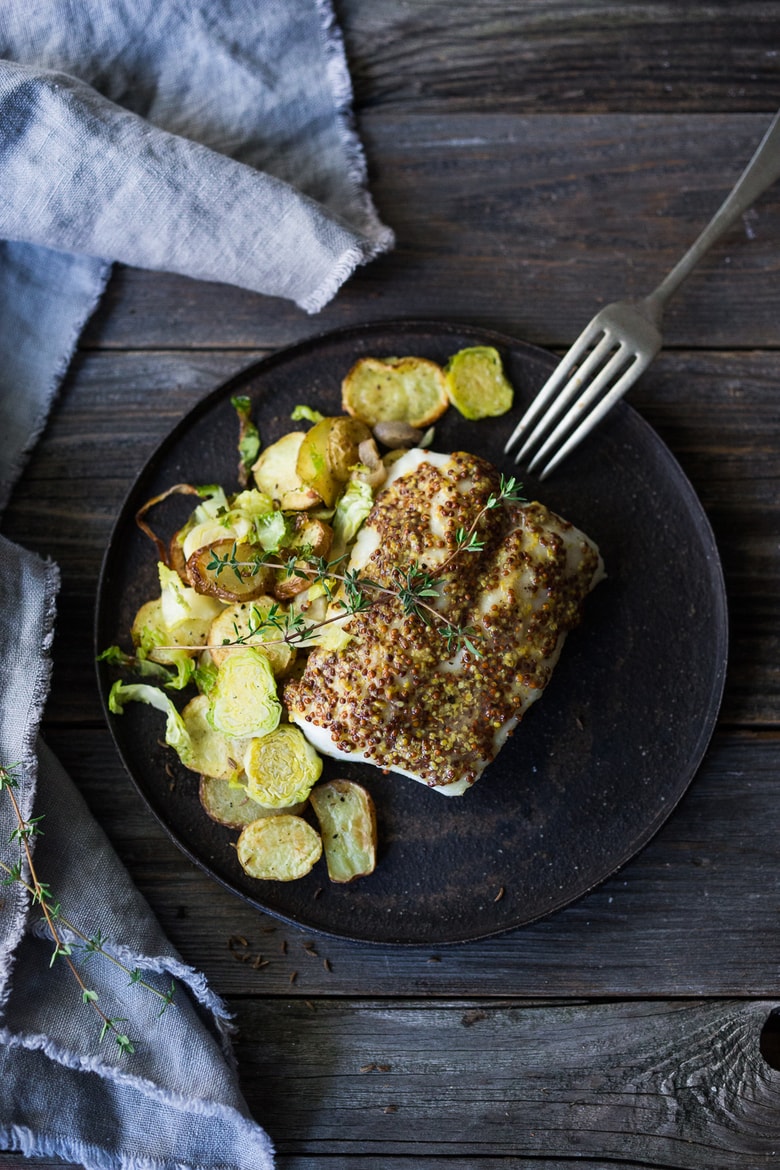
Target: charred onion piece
(163, 553)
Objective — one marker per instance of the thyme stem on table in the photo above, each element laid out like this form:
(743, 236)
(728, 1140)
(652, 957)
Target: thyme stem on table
(413, 584)
(26, 829)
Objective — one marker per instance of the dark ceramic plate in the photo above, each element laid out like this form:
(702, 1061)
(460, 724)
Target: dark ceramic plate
(598, 764)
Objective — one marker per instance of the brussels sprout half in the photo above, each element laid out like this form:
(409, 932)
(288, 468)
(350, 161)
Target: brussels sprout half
(243, 701)
(281, 768)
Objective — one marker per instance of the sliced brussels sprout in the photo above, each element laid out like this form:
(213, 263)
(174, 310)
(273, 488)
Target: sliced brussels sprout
(205, 673)
(229, 571)
(331, 637)
(213, 503)
(302, 412)
(271, 530)
(280, 849)
(243, 701)
(146, 667)
(255, 623)
(251, 503)
(172, 647)
(410, 390)
(211, 751)
(181, 603)
(476, 383)
(347, 820)
(248, 435)
(281, 768)
(235, 519)
(276, 474)
(351, 510)
(176, 734)
(232, 806)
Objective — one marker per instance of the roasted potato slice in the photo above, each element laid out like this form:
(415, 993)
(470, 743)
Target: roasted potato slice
(245, 620)
(275, 473)
(347, 820)
(344, 440)
(230, 571)
(327, 453)
(312, 537)
(476, 383)
(411, 390)
(231, 805)
(279, 849)
(289, 585)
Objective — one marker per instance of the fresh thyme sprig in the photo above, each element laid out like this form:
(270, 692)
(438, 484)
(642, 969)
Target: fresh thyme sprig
(466, 539)
(413, 584)
(25, 830)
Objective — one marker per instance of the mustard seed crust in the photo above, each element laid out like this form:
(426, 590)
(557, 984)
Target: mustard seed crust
(395, 694)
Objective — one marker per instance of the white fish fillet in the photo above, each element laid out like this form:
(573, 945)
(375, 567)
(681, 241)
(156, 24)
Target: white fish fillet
(400, 695)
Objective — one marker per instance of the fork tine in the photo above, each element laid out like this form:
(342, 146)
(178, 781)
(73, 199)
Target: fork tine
(547, 393)
(590, 393)
(625, 381)
(566, 396)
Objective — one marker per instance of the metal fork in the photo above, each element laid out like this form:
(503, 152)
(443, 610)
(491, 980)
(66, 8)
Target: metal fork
(622, 339)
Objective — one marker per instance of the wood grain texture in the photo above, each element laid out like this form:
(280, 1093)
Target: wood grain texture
(526, 57)
(680, 1085)
(549, 216)
(711, 874)
(536, 158)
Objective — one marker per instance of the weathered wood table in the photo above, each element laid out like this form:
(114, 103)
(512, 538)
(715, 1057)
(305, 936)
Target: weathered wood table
(535, 160)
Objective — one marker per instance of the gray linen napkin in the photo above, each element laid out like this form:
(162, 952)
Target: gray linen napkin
(211, 139)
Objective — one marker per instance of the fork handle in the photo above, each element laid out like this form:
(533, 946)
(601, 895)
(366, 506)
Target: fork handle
(761, 172)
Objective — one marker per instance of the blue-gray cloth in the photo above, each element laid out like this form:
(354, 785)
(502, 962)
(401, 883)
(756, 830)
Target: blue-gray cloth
(211, 139)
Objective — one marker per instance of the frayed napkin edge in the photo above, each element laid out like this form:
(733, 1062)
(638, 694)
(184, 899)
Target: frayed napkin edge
(29, 763)
(59, 1054)
(351, 259)
(340, 81)
(51, 392)
(195, 981)
(22, 1140)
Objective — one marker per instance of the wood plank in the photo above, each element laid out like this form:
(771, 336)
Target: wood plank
(651, 1085)
(351, 1161)
(523, 223)
(711, 874)
(368, 1079)
(522, 56)
(666, 1085)
(716, 412)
